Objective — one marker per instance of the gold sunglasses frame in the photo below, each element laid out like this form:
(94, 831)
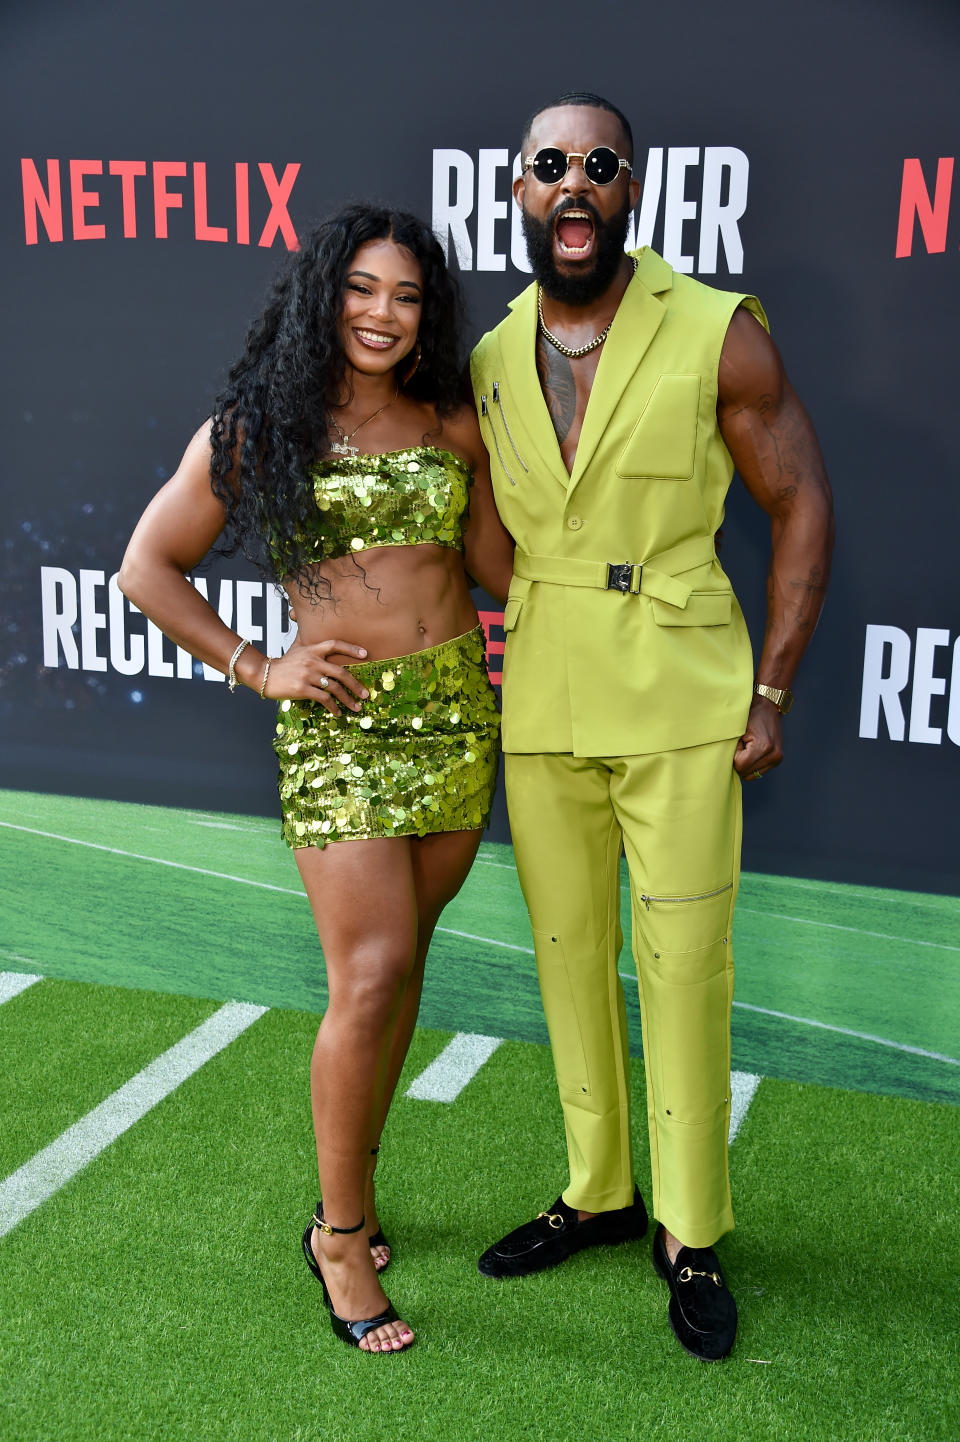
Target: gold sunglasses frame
(582, 157)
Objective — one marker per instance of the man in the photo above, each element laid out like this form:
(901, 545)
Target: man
(615, 401)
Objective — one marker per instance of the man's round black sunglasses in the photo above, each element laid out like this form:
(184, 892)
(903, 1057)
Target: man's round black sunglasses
(601, 165)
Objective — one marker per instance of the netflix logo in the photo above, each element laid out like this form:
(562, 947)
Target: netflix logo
(924, 205)
(84, 199)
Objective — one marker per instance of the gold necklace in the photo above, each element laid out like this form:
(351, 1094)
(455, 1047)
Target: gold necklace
(342, 447)
(555, 340)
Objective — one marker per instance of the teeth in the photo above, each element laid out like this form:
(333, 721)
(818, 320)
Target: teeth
(376, 337)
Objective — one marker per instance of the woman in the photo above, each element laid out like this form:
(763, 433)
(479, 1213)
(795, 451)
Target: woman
(341, 459)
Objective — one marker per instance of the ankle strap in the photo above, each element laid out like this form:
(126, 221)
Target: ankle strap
(329, 1231)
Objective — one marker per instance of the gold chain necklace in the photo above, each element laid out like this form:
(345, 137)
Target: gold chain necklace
(342, 447)
(555, 340)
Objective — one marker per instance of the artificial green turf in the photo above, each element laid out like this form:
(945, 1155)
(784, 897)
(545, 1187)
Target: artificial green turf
(67, 1047)
(161, 1294)
(878, 962)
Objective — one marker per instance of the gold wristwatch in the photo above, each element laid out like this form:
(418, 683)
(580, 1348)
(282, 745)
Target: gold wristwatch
(781, 698)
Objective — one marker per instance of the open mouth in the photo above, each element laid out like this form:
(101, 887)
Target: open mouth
(374, 338)
(574, 231)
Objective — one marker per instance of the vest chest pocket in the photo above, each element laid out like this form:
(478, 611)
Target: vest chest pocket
(663, 443)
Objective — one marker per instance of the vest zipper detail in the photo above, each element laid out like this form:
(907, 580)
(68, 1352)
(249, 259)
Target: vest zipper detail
(485, 412)
(506, 426)
(680, 900)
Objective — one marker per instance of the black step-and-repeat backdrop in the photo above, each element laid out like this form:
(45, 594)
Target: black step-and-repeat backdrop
(158, 161)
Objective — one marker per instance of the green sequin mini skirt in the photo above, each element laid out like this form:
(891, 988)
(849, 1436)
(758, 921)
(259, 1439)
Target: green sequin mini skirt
(420, 757)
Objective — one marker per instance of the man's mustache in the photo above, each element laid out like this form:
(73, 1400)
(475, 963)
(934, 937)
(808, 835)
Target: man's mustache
(570, 204)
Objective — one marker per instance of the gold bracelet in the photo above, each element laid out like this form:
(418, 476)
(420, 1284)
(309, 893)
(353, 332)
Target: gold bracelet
(263, 683)
(232, 677)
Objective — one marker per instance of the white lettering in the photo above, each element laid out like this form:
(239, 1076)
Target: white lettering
(649, 200)
(58, 611)
(953, 714)
(882, 688)
(127, 665)
(717, 219)
(156, 664)
(490, 209)
(518, 245)
(91, 621)
(247, 593)
(450, 213)
(926, 685)
(467, 208)
(210, 673)
(680, 159)
(279, 635)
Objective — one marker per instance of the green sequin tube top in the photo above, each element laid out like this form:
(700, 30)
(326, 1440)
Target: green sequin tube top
(414, 497)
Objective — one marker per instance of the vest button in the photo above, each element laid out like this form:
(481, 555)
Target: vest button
(574, 523)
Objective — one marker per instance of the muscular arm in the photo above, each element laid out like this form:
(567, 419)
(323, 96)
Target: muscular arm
(775, 449)
(487, 544)
(174, 533)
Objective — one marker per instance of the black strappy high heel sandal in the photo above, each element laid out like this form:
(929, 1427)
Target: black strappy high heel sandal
(377, 1239)
(350, 1332)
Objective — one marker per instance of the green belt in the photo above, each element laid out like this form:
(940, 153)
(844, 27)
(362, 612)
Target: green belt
(654, 577)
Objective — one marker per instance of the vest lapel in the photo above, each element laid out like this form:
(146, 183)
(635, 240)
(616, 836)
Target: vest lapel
(636, 323)
(518, 350)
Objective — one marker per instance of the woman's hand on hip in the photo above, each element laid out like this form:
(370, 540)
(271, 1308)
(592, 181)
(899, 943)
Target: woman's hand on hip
(307, 673)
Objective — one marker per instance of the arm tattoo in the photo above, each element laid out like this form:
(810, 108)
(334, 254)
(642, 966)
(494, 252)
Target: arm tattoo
(558, 386)
(809, 595)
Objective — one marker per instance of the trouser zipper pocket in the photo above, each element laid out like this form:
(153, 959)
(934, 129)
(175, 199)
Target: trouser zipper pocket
(681, 900)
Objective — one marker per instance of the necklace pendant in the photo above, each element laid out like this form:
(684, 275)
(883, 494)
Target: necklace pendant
(340, 448)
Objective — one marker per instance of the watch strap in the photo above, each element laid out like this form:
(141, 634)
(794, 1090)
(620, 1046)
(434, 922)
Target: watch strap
(781, 697)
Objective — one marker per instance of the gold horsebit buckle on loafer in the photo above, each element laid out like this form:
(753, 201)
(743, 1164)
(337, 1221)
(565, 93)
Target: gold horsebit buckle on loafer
(554, 1218)
(687, 1274)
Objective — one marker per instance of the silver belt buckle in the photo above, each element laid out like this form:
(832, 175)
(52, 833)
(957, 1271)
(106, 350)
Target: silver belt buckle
(620, 577)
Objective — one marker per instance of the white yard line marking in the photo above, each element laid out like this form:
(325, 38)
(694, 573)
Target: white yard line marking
(847, 1031)
(489, 940)
(38, 1179)
(829, 1026)
(870, 893)
(458, 1063)
(290, 891)
(219, 825)
(743, 1087)
(158, 860)
(857, 930)
(227, 876)
(12, 983)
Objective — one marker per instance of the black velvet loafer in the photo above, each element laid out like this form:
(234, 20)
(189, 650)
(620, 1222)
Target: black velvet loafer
(555, 1235)
(702, 1311)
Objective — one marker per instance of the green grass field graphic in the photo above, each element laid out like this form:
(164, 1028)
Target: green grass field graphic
(160, 1292)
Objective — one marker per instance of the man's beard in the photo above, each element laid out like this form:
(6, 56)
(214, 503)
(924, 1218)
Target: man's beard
(576, 288)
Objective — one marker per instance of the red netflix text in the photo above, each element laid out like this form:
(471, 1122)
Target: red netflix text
(69, 198)
(918, 206)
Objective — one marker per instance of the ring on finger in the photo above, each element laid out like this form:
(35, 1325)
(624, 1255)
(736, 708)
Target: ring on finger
(756, 776)
(324, 682)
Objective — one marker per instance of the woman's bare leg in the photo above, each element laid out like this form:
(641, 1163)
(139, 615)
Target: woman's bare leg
(364, 901)
(440, 867)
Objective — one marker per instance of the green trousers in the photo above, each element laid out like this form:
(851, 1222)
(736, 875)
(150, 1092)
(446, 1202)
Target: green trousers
(677, 816)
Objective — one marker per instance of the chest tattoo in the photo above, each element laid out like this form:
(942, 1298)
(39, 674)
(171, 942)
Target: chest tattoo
(559, 387)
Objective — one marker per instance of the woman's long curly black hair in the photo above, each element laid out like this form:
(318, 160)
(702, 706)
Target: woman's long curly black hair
(270, 422)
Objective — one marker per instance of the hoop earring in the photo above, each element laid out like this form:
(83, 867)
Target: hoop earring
(411, 370)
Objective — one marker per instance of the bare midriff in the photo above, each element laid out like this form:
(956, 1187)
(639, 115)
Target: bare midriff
(392, 600)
